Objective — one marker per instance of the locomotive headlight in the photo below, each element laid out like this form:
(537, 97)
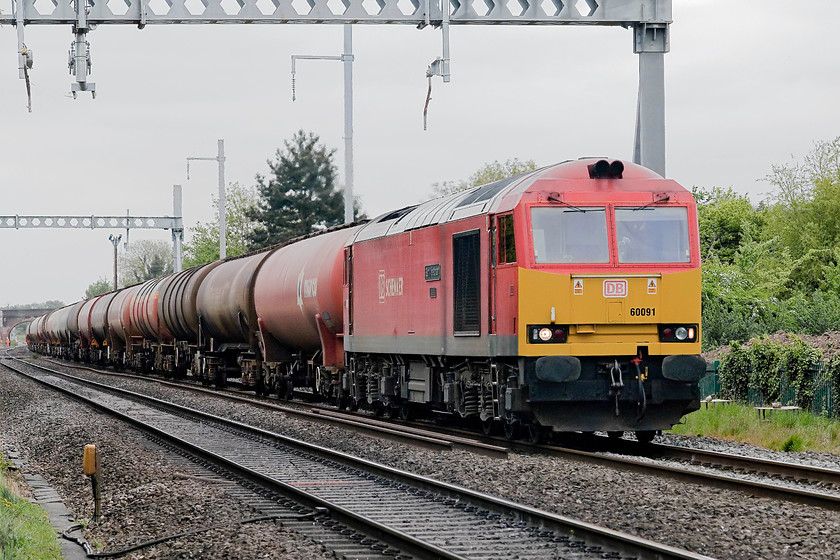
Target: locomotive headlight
(547, 334)
(678, 333)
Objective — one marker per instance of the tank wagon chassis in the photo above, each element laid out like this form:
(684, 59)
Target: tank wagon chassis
(565, 299)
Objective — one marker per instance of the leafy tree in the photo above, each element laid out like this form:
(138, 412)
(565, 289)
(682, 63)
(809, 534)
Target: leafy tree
(101, 286)
(775, 267)
(487, 173)
(203, 246)
(727, 220)
(144, 260)
(299, 196)
(806, 213)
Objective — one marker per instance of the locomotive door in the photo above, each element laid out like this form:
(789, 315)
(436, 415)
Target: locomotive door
(492, 280)
(503, 279)
(348, 284)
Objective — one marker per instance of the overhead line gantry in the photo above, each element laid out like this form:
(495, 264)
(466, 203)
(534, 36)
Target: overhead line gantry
(649, 20)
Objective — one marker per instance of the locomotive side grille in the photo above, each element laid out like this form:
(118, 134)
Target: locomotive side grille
(466, 280)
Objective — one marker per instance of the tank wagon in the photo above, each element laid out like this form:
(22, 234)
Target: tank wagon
(565, 299)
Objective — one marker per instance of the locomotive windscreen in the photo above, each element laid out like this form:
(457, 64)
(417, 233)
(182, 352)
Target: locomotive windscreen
(652, 235)
(570, 235)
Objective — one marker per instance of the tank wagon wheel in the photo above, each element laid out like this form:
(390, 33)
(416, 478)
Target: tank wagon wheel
(259, 388)
(285, 389)
(645, 436)
(378, 409)
(615, 434)
(391, 411)
(341, 402)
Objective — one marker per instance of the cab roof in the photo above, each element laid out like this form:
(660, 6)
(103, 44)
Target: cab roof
(572, 180)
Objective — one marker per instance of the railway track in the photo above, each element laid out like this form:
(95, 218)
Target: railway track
(754, 476)
(391, 512)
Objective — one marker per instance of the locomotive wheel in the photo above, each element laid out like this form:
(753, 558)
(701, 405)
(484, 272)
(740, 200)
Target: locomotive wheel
(511, 427)
(488, 427)
(341, 402)
(616, 434)
(378, 409)
(406, 412)
(645, 436)
(536, 433)
(390, 411)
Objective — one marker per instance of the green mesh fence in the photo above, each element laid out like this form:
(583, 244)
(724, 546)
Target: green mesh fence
(824, 401)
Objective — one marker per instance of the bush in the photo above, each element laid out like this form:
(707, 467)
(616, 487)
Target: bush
(734, 373)
(799, 363)
(766, 358)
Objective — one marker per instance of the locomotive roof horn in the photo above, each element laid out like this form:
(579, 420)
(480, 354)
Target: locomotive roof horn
(602, 169)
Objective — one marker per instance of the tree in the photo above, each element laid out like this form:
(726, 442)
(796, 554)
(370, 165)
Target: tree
(806, 213)
(299, 196)
(101, 286)
(487, 173)
(145, 260)
(203, 246)
(727, 220)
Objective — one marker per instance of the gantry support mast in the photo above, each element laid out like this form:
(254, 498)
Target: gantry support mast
(649, 19)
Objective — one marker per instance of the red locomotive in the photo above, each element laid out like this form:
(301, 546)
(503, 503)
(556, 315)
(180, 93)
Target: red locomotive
(564, 299)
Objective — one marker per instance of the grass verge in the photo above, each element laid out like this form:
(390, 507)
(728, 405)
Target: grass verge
(25, 530)
(782, 431)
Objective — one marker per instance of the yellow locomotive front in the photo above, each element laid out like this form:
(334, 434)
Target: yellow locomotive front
(607, 313)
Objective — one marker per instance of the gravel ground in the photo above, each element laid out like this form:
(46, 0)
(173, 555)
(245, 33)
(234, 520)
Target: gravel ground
(144, 496)
(705, 520)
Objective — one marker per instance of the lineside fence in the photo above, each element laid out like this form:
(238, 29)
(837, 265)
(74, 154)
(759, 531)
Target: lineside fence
(819, 393)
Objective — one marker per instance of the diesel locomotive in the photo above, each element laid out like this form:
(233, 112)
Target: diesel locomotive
(565, 299)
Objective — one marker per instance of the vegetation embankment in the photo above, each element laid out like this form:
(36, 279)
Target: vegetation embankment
(25, 531)
(784, 430)
(788, 370)
(770, 269)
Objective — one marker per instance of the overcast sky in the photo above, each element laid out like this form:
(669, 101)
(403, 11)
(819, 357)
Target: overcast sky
(749, 84)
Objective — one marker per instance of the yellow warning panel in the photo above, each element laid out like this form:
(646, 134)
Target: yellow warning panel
(651, 286)
(578, 287)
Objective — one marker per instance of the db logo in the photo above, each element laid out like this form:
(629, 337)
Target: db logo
(615, 288)
(383, 286)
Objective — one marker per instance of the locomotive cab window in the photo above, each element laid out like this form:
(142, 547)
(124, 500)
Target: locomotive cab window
(570, 235)
(652, 235)
(506, 243)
